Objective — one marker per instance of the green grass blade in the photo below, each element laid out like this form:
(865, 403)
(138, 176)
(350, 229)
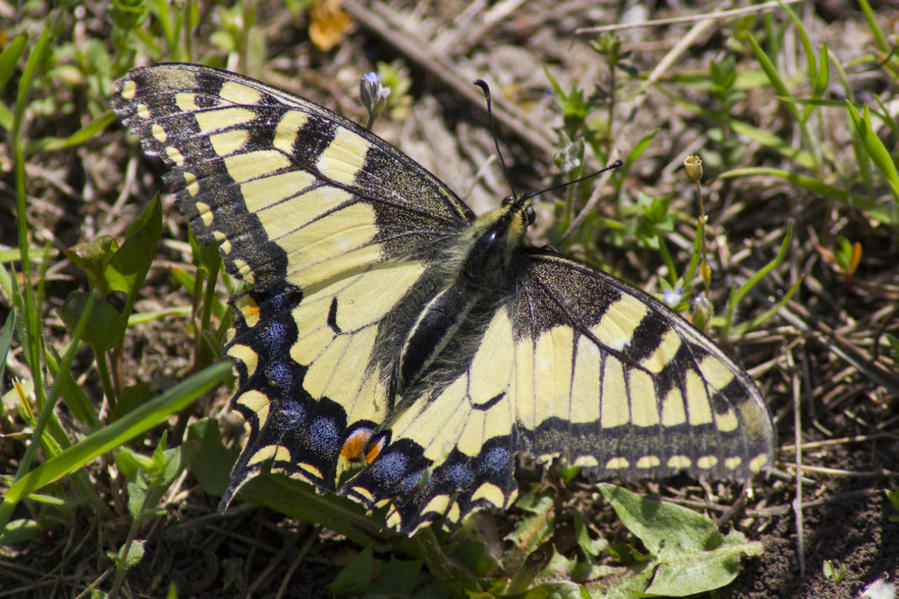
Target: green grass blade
(740, 293)
(875, 148)
(882, 213)
(6, 338)
(771, 72)
(52, 144)
(119, 432)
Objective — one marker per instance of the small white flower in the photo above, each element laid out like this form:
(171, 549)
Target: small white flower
(673, 297)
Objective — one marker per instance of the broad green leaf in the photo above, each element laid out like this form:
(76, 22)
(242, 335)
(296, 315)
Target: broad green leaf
(397, 578)
(590, 546)
(93, 257)
(131, 397)
(689, 555)
(536, 529)
(152, 478)
(298, 499)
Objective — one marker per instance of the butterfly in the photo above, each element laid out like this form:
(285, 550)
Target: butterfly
(396, 348)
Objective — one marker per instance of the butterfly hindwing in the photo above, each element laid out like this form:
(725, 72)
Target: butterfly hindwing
(396, 349)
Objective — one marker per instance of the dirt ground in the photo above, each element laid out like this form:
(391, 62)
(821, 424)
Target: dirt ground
(824, 354)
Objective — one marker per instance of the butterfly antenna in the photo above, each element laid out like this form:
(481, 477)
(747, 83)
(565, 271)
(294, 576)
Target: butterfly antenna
(486, 89)
(613, 166)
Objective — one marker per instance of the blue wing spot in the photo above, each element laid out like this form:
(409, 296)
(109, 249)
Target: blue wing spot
(325, 436)
(410, 481)
(458, 475)
(279, 375)
(292, 414)
(496, 459)
(388, 468)
(273, 335)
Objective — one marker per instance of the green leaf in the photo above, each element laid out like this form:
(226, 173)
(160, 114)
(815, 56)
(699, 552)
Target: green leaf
(130, 398)
(52, 144)
(770, 71)
(105, 324)
(128, 555)
(93, 257)
(19, 531)
(130, 264)
(835, 574)
(885, 214)
(590, 546)
(894, 343)
(35, 58)
(210, 462)
(150, 477)
(822, 78)
(893, 496)
(536, 529)
(130, 462)
(356, 576)
(299, 499)
(9, 58)
(776, 143)
(689, 554)
(6, 333)
(555, 590)
(397, 578)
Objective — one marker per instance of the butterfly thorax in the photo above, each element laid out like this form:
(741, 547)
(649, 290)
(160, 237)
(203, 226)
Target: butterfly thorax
(451, 323)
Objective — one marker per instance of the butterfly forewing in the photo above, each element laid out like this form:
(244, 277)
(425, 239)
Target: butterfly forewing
(636, 392)
(330, 224)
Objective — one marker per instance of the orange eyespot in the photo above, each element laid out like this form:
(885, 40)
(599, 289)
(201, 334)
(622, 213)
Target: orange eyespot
(374, 451)
(354, 445)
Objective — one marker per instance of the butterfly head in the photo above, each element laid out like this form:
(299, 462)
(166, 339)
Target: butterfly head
(496, 236)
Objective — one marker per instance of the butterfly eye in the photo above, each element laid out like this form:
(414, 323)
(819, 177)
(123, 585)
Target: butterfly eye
(530, 214)
(507, 201)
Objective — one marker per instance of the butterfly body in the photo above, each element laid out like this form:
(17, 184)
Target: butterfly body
(399, 350)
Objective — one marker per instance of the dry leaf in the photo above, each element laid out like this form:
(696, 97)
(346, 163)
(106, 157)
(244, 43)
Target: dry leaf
(328, 24)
